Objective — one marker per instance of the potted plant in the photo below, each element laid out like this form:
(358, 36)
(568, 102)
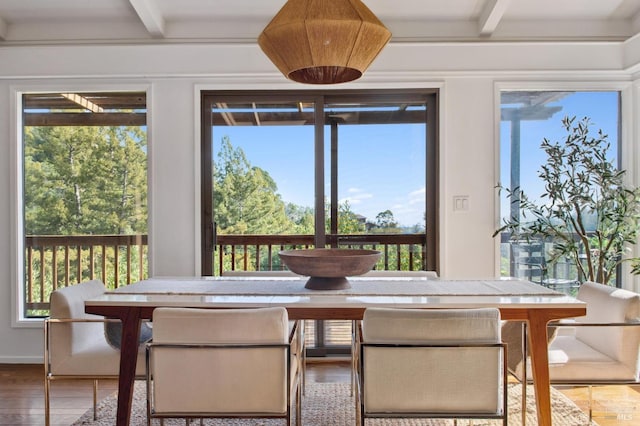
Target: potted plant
(587, 211)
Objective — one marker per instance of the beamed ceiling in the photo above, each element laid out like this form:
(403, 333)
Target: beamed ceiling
(224, 21)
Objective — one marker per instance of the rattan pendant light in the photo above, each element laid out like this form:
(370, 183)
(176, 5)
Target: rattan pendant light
(323, 41)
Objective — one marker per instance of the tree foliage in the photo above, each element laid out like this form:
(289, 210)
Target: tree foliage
(85, 180)
(246, 201)
(245, 197)
(385, 223)
(586, 210)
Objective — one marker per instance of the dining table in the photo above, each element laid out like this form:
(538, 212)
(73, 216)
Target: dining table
(517, 300)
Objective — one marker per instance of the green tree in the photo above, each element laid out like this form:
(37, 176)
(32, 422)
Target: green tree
(85, 180)
(246, 199)
(349, 222)
(385, 223)
(302, 217)
(587, 210)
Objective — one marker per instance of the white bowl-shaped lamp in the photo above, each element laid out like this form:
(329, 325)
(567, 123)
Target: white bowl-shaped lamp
(323, 41)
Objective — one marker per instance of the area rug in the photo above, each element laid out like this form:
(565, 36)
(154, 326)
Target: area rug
(329, 404)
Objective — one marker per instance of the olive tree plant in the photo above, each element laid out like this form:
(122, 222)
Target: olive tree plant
(587, 211)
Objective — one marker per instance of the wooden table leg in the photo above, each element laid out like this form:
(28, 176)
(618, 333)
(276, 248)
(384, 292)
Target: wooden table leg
(540, 366)
(131, 320)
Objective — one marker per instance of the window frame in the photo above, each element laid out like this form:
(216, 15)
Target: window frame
(627, 152)
(430, 96)
(16, 153)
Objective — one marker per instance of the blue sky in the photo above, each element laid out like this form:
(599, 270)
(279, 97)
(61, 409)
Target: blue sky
(601, 107)
(380, 166)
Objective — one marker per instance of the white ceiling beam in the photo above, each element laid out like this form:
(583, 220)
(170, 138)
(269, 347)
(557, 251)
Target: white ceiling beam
(150, 16)
(491, 16)
(3, 29)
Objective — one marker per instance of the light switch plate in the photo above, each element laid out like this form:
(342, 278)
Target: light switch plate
(460, 203)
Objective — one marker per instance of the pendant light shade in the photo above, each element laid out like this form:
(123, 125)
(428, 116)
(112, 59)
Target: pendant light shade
(323, 41)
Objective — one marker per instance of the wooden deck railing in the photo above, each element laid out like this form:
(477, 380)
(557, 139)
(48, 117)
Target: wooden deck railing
(57, 261)
(260, 252)
(52, 262)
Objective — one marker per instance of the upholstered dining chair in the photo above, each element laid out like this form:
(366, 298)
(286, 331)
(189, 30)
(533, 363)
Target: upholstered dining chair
(222, 363)
(601, 348)
(300, 324)
(429, 275)
(441, 363)
(75, 346)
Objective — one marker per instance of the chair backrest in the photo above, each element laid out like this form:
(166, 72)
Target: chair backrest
(606, 304)
(221, 380)
(68, 303)
(431, 379)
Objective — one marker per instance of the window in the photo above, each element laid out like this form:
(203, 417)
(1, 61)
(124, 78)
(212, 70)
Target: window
(305, 169)
(527, 117)
(84, 191)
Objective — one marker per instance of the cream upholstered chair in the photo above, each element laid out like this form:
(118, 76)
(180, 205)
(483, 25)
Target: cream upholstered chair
(602, 347)
(300, 323)
(429, 275)
(75, 346)
(222, 363)
(447, 363)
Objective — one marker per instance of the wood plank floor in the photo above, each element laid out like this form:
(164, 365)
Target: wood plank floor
(22, 396)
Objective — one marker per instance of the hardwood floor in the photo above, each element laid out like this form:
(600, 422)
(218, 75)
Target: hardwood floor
(22, 396)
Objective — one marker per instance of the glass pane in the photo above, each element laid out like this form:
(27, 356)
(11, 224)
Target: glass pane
(85, 191)
(375, 177)
(526, 119)
(264, 170)
(263, 178)
(375, 155)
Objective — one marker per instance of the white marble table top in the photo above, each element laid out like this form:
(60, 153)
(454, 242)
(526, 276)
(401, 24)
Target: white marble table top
(365, 292)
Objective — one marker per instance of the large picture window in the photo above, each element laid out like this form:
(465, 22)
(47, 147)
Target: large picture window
(527, 118)
(349, 169)
(84, 192)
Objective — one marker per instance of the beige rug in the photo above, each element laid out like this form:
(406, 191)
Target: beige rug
(329, 404)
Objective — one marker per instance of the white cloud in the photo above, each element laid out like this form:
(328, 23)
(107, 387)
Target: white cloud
(356, 196)
(417, 196)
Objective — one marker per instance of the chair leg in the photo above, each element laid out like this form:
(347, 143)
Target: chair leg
(590, 403)
(524, 374)
(47, 401)
(299, 405)
(353, 356)
(303, 356)
(95, 400)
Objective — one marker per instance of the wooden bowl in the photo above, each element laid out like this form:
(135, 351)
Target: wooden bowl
(328, 268)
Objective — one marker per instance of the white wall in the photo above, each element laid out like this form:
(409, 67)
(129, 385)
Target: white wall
(466, 74)
(468, 169)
